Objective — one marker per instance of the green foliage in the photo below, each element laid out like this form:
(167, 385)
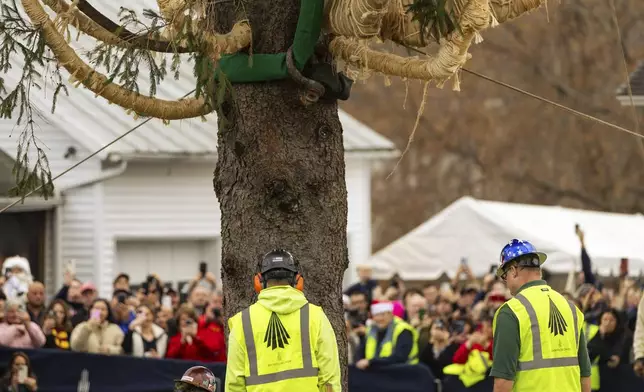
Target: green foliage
(18, 39)
(22, 45)
(123, 64)
(434, 19)
(31, 179)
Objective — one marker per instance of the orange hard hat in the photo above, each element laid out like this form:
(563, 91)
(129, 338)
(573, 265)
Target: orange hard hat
(200, 377)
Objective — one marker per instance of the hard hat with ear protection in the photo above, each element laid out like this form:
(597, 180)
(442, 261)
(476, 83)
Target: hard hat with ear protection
(278, 264)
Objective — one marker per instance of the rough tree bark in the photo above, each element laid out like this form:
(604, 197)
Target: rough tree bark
(280, 176)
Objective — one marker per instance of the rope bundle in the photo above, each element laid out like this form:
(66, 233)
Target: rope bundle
(356, 18)
(353, 23)
(451, 56)
(505, 10)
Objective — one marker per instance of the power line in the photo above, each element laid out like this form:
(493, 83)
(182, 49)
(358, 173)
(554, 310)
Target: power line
(90, 156)
(540, 98)
(485, 77)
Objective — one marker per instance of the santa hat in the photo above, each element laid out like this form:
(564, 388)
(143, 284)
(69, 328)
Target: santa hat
(382, 307)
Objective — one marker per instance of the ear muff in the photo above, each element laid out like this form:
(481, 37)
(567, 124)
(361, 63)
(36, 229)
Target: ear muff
(257, 283)
(299, 282)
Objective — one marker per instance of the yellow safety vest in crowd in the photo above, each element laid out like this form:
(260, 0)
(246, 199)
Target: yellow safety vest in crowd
(293, 365)
(549, 330)
(389, 342)
(474, 370)
(590, 330)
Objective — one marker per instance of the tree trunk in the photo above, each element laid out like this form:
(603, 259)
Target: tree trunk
(280, 176)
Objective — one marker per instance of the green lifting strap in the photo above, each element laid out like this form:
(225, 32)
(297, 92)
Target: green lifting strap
(267, 67)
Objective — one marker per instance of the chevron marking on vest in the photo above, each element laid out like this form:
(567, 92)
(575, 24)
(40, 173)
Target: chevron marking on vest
(276, 335)
(556, 323)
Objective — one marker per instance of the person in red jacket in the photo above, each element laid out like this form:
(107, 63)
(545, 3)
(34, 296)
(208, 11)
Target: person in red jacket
(193, 343)
(213, 320)
(481, 340)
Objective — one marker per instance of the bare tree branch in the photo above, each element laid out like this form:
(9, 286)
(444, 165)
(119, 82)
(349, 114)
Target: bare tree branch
(138, 40)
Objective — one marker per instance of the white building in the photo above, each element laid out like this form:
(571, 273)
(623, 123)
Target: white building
(156, 211)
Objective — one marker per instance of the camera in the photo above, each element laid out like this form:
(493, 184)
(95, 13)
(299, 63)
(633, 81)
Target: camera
(355, 318)
(216, 312)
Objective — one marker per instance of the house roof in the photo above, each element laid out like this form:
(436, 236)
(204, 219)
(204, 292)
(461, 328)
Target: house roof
(93, 122)
(637, 86)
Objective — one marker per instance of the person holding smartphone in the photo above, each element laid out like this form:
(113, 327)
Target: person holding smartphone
(17, 330)
(99, 334)
(192, 342)
(213, 320)
(20, 376)
(57, 325)
(145, 338)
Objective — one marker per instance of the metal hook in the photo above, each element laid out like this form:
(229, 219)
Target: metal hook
(312, 90)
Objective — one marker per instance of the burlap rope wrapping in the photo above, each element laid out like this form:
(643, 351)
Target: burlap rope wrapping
(355, 18)
(451, 56)
(399, 26)
(505, 10)
(216, 44)
(97, 82)
(181, 14)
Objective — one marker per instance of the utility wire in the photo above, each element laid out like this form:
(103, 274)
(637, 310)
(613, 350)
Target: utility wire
(542, 99)
(74, 166)
(485, 77)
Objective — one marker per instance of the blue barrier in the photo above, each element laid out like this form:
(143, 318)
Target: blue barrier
(60, 371)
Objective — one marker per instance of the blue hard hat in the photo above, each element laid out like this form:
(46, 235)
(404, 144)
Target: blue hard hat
(515, 249)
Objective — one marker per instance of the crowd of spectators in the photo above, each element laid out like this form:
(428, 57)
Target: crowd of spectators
(454, 318)
(151, 321)
(444, 322)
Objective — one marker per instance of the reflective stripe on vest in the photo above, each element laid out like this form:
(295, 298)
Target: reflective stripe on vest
(307, 369)
(538, 362)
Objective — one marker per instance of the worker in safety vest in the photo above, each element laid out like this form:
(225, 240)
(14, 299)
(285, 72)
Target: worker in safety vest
(389, 340)
(282, 343)
(590, 330)
(539, 344)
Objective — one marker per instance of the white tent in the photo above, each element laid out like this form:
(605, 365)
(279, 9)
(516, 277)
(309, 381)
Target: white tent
(478, 230)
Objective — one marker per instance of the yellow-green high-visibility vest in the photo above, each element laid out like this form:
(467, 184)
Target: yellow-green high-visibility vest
(549, 330)
(280, 350)
(473, 371)
(386, 347)
(590, 330)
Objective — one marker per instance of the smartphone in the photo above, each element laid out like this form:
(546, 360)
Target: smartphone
(70, 267)
(463, 260)
(96, 314)
(421, 314)
(203, 268)
(166, 301)
(493, 269)
(623, 267)
(22, 374)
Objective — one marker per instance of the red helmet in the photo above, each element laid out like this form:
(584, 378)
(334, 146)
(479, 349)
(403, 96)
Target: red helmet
(200, 377)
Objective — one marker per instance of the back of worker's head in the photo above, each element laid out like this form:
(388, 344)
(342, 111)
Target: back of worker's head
(278, 268)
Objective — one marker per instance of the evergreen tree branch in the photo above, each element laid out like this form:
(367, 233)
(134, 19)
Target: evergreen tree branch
(140, 41)
(19, 39)
(101, 85)
(98, 26)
